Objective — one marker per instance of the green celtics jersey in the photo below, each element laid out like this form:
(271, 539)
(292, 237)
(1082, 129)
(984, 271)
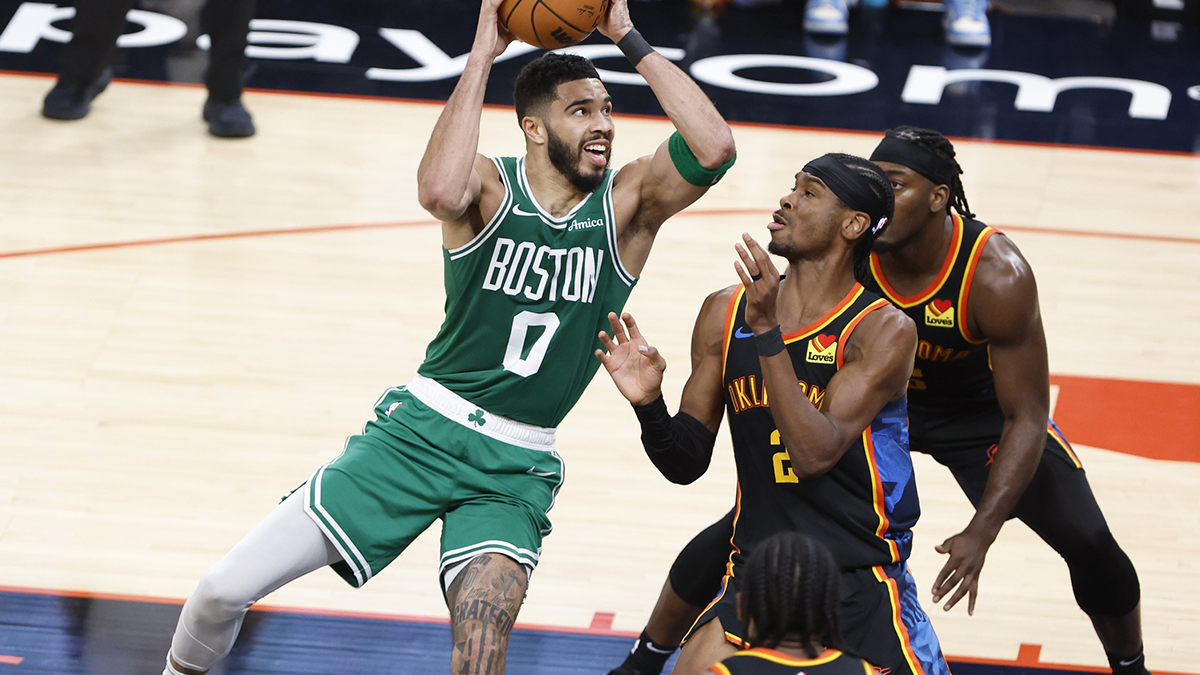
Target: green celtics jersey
(524, 302)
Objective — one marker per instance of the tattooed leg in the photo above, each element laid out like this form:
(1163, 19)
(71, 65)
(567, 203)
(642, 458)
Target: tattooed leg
(484, 600)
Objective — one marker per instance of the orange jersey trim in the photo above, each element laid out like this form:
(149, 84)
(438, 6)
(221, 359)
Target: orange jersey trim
(943, 274)
(777, 656)
(730, 315)
(1054, 433)
(845, 336)
(898, 622)
(877, 498)
(808, 330)
(968, 277)
(719, 669)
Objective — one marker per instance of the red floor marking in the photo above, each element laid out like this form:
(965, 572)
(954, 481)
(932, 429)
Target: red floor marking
(210, 237)
(1029, 655)
(602, 620)
(428, 222)
(11, 660)
(1147, 419)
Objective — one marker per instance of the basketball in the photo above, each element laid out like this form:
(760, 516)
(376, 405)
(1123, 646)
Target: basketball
(552, 24)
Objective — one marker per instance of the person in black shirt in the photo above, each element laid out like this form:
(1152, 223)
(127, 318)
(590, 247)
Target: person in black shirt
(83, 68)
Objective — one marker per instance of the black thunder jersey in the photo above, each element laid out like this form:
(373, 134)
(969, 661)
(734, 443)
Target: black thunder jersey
(864, 507)
(953, 367)
(760, 661)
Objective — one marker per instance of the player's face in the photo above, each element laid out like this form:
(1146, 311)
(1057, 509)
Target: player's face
(807, 219)
(913, 195)
(580, 132)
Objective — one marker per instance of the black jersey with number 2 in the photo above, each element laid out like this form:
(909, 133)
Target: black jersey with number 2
(863, 507)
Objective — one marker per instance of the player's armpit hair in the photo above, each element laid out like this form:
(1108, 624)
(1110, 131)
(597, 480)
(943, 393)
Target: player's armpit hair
(680, 447)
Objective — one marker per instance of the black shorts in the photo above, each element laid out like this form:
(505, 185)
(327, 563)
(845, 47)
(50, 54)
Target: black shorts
(1058, 505)
(879, 618)
(965, 442)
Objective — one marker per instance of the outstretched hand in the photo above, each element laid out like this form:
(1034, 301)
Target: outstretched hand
(491, 37)
(635, 367)
(761, 280)
(967, 552)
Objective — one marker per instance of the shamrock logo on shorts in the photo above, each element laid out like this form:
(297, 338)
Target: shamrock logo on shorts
(477, 417)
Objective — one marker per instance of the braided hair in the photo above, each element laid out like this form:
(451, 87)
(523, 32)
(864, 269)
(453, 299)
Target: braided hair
(882, 187)
(791, 591)
(932, 140)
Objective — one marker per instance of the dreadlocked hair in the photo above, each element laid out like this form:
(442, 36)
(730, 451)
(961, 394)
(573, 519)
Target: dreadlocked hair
(883, 188)
(791, 591)
(932, 140)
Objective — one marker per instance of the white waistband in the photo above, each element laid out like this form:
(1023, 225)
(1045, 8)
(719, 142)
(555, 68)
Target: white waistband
(456, 408)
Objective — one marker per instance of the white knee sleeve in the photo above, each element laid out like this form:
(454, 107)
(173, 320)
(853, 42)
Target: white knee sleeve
(286, 545)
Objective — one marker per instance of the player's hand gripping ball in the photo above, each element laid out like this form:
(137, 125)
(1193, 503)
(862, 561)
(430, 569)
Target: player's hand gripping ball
(552, 24)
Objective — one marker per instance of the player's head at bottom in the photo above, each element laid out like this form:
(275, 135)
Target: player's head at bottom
(789, 595)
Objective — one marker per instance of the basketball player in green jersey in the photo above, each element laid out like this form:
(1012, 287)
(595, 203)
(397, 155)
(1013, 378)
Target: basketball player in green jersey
(537, 250)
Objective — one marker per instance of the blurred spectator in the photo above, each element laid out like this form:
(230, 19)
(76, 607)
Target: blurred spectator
(84, 73)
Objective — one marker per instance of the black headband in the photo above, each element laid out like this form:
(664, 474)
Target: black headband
(938, 169)
(852, 188)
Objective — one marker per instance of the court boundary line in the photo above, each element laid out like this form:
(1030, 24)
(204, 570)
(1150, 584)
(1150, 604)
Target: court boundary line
(1021, 661)
(696, 213)
(761, 125)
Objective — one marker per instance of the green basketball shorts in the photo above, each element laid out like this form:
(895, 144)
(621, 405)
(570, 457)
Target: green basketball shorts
(430, 454)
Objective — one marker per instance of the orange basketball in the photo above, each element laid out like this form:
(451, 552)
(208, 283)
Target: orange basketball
(551, 24)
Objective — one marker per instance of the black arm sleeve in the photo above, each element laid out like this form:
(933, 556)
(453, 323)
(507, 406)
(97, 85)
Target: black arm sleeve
(680, 447)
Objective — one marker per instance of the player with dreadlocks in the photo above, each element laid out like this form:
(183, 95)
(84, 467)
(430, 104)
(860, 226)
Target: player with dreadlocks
(828, 456)
(979, 397)
(789, 608)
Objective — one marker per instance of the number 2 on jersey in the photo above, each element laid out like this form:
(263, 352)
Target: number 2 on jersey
(529, 364)
(782, 462)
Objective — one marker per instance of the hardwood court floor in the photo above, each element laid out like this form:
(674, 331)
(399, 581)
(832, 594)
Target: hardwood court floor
(234, 308)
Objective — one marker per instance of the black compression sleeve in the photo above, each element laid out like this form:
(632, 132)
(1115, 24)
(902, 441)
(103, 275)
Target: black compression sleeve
(680, 447)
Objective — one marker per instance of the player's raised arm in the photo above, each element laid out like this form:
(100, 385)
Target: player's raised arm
(694, 158)
(448, 182)
(680, 446)
(878, 362)
(1004, 306)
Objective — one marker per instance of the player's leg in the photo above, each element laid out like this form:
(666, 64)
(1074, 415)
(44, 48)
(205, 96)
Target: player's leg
(484, 599)
(285, 545)
(705, 646)
(1060, 507)
(694, 580)
(492, 535)
(717, 634)
(357, 513)
(880, 620)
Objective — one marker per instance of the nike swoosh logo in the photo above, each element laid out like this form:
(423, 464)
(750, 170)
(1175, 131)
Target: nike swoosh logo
(541, 474)
(742, 333)
(656, 650)
(1130, 662)
(517, 211)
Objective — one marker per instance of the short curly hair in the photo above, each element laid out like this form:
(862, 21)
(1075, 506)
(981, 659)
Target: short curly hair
(536, 85)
